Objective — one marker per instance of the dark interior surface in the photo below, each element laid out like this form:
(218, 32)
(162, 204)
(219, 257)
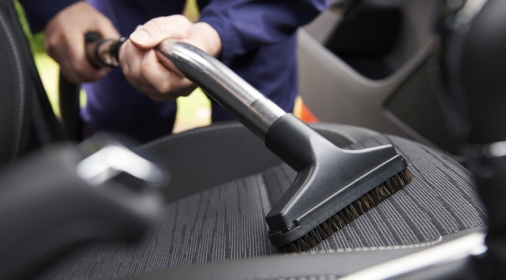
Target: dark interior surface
(416, 105)
(366, 32)
(27, 119)
(392, 92)
(374, 67)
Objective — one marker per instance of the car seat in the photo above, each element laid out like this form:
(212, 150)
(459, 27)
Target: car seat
(223, 182)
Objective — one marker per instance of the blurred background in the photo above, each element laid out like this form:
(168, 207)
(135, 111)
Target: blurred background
(193, 111)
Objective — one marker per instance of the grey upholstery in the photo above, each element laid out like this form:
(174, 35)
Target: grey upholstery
(328, 265)
(224, 153)
(211, 225)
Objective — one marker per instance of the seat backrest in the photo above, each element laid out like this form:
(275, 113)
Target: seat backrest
(26, 118)
(14, 97)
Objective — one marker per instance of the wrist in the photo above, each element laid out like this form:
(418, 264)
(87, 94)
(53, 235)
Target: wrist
(206, 38)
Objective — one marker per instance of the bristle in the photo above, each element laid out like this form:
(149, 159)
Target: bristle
(349, 213)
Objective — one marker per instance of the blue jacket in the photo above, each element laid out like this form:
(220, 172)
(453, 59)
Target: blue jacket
(259, 44)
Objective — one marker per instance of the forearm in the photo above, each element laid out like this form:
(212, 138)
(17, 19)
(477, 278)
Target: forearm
(244, 25)
(39, 12)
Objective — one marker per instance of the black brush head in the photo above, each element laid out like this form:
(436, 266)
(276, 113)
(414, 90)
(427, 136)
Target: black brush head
(349, 213)
(330, 180)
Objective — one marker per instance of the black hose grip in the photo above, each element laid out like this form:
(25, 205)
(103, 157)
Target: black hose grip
(103, 52)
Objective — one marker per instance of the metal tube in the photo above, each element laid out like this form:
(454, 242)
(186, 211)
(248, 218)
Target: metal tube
(220, 83)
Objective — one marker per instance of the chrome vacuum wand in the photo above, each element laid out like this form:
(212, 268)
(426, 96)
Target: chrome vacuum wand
(243, 101)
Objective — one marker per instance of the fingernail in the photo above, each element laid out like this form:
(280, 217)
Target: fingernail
(140, 36)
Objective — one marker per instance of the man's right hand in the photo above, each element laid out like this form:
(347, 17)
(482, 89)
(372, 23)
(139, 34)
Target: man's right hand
(64, 40)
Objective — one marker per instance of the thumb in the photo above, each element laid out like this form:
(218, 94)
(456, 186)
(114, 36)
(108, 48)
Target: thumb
(153, 32)
(142, 38)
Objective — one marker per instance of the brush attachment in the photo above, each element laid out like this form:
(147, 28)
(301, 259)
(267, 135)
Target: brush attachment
(333, 186)
(348, 213)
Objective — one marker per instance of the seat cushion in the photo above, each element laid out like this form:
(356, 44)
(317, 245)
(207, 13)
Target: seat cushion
(224, 220)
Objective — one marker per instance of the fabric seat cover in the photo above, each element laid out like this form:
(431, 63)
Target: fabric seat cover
(226, 221)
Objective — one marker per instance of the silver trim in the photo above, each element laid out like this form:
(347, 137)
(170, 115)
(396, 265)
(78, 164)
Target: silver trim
(243, 101)
(497, 149)
(112, 160)
(467, 13)
(472, 244)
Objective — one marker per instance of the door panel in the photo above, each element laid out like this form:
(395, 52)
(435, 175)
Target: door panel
(336, 90)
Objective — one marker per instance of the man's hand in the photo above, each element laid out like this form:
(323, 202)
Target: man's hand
(142, 67)
(64, 40)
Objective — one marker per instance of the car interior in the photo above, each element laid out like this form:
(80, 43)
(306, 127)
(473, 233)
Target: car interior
(379, 79)
(366, 72)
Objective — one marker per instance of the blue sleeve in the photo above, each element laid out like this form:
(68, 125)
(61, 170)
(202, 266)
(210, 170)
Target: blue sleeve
(243, 25)
(39, 12)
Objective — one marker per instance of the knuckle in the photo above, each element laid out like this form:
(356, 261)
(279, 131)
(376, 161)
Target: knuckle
(131, 74)
(158, 24)
(80, 68)
(50, 44)
(144, 70)
(155, 97)
(182, 19)
(126, 70)
(163, 86)
(136, 76)
(104, 21)
(183, 22)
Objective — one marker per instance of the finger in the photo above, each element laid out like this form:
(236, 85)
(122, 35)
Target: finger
(156, 30)
(79, 63)
(145, 89)
(163, 47)
(86, 71)
(69, 75)
(159, 77)
(65, 44)
(166, 82)
(131, 59)
(70, 55)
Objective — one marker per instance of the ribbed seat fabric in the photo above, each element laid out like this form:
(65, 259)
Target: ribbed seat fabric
(227, 221)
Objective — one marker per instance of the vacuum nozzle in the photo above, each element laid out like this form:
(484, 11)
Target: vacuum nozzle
(330, 182)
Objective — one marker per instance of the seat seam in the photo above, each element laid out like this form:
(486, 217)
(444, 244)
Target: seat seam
(234, 125)
(333, 130)
(191, 132)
